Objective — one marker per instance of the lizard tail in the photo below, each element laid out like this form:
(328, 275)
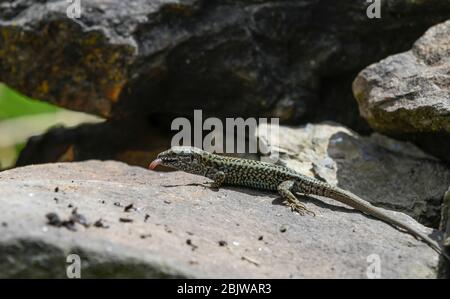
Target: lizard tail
(355, 202)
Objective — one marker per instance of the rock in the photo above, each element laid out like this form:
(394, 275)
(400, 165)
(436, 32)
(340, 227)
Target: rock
(164, 58)
(140, 63)
(201, 234)
(445, 226)
(407, 95)
(446, 217)
(388, 173)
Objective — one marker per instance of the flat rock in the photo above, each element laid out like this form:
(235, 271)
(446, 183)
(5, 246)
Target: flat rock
(408, 94)
(181, 230)
(386, 172)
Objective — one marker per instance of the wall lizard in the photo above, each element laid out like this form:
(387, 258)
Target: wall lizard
(224, 170)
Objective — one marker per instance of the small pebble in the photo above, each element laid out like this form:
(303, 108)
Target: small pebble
(125, 220)
(128, 208)
(99, 223)
(189, 242)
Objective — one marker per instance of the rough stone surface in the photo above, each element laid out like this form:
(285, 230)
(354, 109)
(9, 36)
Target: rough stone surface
(143, 63)
(167, 57)
(190, 231)
(445, 226)
(408, 94)
(386, 172)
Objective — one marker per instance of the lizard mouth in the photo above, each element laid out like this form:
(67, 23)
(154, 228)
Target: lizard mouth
(161, 161)
(155, 163)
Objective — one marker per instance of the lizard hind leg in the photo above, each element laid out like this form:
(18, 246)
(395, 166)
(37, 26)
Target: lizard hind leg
(284, 189)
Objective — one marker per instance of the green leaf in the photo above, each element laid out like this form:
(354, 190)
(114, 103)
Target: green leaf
(13, 104)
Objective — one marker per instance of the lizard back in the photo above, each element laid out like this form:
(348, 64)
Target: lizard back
(251, 173)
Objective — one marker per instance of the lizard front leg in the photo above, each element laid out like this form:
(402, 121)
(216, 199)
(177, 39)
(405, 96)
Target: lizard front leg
(218, 178)
(284, 189)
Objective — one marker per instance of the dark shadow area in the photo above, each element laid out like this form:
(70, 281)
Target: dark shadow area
(133, 142)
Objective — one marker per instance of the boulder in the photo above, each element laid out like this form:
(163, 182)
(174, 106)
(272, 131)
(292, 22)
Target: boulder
(407, 95)
(126, 221)
(164, 58)
(142, 63)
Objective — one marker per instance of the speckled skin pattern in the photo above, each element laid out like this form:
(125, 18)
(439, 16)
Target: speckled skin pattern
(225, 170)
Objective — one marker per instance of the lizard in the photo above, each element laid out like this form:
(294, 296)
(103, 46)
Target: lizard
(226, 170)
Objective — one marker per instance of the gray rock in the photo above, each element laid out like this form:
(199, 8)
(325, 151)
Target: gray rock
(446, 218)
(190, 231)
(407, 95)
(445, 226)
(138, 60)
(388, 173)
(167, 57)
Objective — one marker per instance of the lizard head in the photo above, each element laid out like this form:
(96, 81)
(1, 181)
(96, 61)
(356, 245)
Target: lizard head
(184, 158)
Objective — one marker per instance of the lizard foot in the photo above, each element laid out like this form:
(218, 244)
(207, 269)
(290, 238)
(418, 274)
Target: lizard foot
(299, 208)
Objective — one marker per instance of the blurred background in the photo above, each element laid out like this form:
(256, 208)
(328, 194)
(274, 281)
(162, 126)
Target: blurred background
(22, 117)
